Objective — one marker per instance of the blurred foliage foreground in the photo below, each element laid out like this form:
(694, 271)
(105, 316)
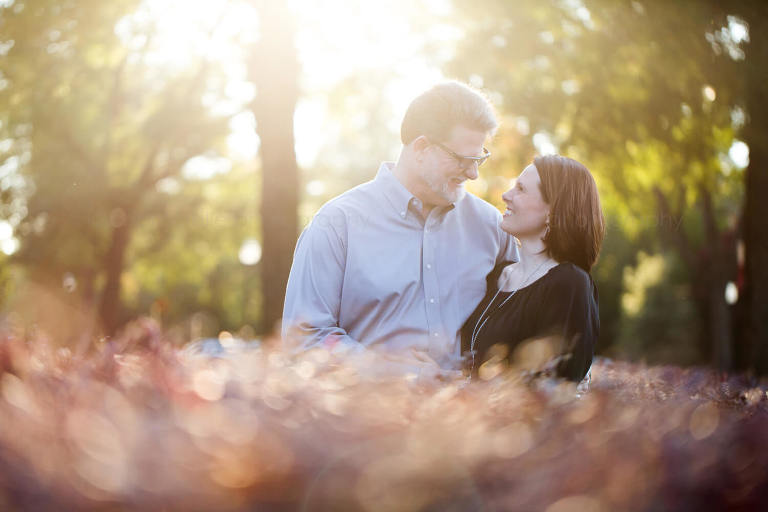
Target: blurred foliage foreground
(139, 424)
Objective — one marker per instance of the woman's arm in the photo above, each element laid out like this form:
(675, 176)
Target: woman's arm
(569, 315)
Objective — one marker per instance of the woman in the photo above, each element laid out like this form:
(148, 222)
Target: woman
(549, 295)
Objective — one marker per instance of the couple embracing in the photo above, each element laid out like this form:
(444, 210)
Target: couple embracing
(411, 267)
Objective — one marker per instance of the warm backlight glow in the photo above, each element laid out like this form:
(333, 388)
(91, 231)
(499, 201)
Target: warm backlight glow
(335, 40)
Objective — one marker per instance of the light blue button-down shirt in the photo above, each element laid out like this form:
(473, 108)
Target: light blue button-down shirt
(369, 271)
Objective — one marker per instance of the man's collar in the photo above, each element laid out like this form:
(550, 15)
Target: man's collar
(395, 192)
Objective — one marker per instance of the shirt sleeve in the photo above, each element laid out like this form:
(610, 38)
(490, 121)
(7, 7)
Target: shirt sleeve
(571, 316)
(313, 294)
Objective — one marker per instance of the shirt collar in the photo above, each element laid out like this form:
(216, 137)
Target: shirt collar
(396, 193)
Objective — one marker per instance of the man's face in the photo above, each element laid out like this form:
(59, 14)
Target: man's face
(442, 176)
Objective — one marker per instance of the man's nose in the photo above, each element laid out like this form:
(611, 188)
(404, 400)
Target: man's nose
(471, 171)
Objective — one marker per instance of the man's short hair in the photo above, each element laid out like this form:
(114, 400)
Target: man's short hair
(435, 112)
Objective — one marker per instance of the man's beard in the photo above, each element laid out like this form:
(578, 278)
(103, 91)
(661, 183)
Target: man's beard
(452, 196)
(442, 188)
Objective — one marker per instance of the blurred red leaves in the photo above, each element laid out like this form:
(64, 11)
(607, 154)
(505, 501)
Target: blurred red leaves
(140, 424)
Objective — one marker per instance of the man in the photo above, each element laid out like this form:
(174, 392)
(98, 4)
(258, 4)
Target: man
(397, 264)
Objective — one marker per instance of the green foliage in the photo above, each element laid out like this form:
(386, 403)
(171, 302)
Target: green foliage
(647, 95)
(102, 139)
(94, 137)
(657, 313)
(181, 266)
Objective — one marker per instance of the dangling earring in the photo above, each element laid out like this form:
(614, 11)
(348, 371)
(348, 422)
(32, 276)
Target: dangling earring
(546, 231)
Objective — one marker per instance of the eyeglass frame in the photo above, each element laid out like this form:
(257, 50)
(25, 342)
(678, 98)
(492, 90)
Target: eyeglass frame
(464, 160)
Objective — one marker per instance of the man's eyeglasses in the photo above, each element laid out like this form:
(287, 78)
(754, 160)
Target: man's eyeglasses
(465, 161)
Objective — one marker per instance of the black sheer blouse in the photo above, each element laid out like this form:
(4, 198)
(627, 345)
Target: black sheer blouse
(562, 304)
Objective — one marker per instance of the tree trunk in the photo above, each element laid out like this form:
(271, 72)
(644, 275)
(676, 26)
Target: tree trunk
(274, 69)
(756, 206)
(110, 305)
(719, 322)
(710, 268)
(88, 287)
(719, 267)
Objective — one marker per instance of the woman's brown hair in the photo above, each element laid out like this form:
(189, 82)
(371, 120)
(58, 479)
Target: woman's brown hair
(576, 222)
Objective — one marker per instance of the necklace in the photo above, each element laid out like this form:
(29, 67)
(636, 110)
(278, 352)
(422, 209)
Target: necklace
(482, 321)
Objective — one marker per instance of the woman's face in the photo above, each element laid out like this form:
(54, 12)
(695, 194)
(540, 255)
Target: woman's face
(526, 214)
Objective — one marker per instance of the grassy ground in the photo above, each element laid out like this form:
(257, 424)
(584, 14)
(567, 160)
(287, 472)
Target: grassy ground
(141, 425)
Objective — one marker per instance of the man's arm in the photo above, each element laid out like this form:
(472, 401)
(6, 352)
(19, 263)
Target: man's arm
(313, 294)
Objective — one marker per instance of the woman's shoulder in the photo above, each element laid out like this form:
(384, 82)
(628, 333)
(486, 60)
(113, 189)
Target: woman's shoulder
(568, 275)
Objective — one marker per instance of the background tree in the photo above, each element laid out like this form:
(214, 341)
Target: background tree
(120, 190)
(96, 131)
(273, 67)
(640, 91)
(755, 307)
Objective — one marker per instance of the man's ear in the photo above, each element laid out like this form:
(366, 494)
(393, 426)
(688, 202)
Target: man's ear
(420, 144)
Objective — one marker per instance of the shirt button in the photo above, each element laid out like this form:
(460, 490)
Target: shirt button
(429, 266)
(431, 301)
(435, 334)
(402, 214)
